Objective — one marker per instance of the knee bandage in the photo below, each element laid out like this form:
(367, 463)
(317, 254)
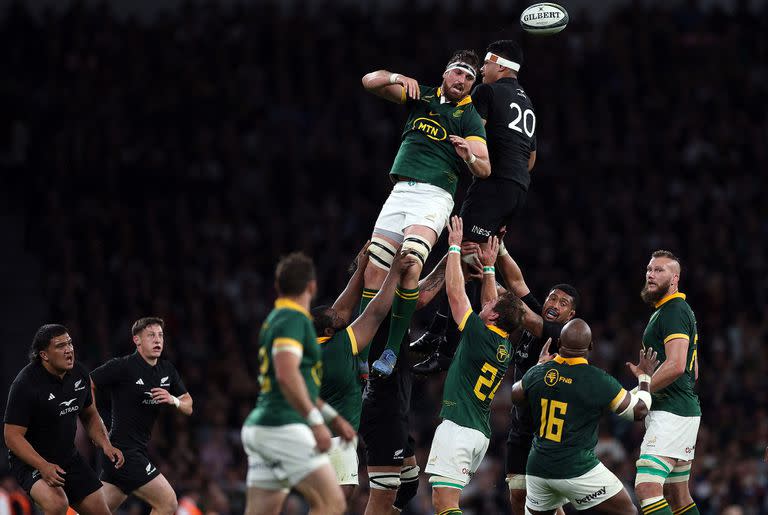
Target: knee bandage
(516, 481)
(652, 469)
(381, 253)
(384, 480)
(418, 246)
(680, 474)
(409, 486)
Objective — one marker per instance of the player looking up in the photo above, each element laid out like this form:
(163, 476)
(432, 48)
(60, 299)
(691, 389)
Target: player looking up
(669, 444)
(568, 396)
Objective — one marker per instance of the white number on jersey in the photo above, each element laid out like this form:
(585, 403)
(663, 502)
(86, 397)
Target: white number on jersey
(527, 117)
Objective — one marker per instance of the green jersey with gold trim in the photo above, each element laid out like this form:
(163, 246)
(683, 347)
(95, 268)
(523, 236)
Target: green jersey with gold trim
(426, 154)
(672, 320)
(475, 374)
(288, 328)
(567, 397)
(341, 387)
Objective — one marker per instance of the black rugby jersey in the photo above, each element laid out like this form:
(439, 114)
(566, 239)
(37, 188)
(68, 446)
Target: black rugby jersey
(130, 380)
(525, 355)
(48, 407)
(510, 128)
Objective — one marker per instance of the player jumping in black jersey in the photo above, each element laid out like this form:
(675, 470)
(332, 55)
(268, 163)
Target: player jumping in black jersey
(493, 202)
(44, 403)
(140, 385)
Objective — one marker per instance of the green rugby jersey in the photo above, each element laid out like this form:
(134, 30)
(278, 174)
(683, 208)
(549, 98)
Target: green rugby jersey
(567, 397)
(674, 319)
(287, 328)
(426, 154)
(341, 388)
(475, 374)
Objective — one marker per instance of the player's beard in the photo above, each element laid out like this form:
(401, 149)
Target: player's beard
(452, 95)
(652, 297)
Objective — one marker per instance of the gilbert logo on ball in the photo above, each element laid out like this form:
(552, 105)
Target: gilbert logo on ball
(544, 18)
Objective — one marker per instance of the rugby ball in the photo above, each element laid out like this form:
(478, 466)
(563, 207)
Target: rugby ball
(544, 18)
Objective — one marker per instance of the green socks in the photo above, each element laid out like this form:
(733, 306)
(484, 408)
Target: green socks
(691, 509)
(402, 311)
(656, 506)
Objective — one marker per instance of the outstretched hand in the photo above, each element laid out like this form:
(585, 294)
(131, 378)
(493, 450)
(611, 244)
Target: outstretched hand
(403, 260)
(647, 363)
(361, 260)
(489, 251)
(544, 355)
(455, 231)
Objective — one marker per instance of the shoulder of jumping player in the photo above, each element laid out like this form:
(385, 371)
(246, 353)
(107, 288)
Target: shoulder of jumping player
(482, 98)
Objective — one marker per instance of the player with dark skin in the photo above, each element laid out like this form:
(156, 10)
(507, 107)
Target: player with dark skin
(575, 345)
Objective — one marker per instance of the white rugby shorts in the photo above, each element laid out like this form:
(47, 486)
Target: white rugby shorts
(279, 457)
(583, 492)
(415, 203)
(455, 455)
(670, 435)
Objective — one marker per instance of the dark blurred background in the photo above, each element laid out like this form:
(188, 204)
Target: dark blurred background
(158, 161)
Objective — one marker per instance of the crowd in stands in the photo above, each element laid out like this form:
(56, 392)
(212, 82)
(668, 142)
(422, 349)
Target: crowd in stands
(163, 166)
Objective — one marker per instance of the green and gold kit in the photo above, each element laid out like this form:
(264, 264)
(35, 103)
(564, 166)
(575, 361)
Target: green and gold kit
(567, 397)
(672, 320)
(341, 388)
(288, 327)
(475, 374)
(426, 154)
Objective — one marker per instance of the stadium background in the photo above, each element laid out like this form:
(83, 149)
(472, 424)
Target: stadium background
(160, 163)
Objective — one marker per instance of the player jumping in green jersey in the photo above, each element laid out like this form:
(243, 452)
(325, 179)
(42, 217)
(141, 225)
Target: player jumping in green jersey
(342, 341)
(668, 447)
(568, 396)
(285, 436)
(443, 135)
(483, 354)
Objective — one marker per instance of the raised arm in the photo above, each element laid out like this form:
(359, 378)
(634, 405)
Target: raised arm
(366, 325)
(635, 406)
(513, 276)
(511, 273)
(348, 300)
(487, 255)
(432, 284)
(454, 278)
(390, 86)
